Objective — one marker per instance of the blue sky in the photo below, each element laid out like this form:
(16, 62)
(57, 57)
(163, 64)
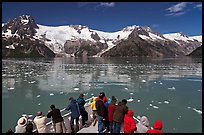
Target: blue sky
(163, 17)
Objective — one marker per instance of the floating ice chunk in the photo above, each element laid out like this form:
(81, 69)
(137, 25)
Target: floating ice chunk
(126, 88)
(150, 104)
(199, 90)
(171, 88)
(39, 104)
(143, 80)
(155, 82)
(198, 111)
(32, 81)
(38, 96)
(129, 78)
(131, 93)
(61, 92)
(166, 102)
(161, 83)
(156, 107)
(138, 100)
(179, 117)
(26, 73)
(52, 85)
(10, 88)
(76, 89)
(147, 108)
(152, 101)
(130, 99)
(159, 102)
(92, 94)
(51, 94)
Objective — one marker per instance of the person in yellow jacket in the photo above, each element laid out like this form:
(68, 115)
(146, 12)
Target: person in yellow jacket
(93, 107)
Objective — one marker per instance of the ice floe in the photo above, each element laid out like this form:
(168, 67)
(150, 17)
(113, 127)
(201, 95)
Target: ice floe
(10, 88)
(198, 111)
(156, 107)
(150, 104)
(131, 93)
(166, 102)
(39, 104)
(51, 94)
(38, 96)
(130, 99)
(138, 100)
(76, 89)
(171, 88)
(61, 92)
(143, 80)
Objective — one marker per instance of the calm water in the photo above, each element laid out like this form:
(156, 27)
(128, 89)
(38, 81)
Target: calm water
(165, 89)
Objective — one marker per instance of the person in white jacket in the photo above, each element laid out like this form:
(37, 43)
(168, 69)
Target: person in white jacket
(143, 125)
(40, 122)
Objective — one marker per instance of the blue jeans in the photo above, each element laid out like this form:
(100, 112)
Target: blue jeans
(111, 126)
(101, 125)
(117, 127)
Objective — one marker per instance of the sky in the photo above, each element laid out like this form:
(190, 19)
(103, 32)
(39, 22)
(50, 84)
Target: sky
(162, 17)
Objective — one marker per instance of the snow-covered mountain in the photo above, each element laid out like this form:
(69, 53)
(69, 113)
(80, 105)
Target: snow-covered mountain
(78, 40)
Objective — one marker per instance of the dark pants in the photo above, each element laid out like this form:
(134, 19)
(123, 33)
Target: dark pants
(72, 124)
(111, 126)
(84, 116)
(116, 127)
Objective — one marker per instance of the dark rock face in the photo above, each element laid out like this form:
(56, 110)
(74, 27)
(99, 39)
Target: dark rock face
(138, 47)
(25, 48)
(197, 52)
(22, 43)
(83, 47)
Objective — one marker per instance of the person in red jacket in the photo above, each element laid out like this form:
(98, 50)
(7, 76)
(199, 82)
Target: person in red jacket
(157, 127)
(111, 109)
(129, 122)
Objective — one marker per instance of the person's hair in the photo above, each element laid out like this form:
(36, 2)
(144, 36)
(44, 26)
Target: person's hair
(39, 113)
(9, 131)
(124, 101)
(81, 95)
(71, 98)
(52, 106)
(29, 127)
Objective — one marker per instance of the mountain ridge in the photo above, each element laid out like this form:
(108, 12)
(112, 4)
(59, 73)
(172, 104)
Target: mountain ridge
(79, 40)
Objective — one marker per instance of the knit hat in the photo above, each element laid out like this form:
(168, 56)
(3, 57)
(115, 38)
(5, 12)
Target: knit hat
(22, 121)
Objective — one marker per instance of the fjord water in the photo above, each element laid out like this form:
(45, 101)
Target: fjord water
(168, 89)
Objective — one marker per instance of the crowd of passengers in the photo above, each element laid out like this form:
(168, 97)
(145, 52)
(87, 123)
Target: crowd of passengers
(110, 116)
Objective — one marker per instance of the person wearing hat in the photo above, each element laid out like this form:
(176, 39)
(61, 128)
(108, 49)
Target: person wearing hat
(21, 125)
(40, 122)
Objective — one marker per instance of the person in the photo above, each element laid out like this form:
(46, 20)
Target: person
(111, 109)
(21, 125)
(29, 128)
(58, 121)
(105, 99)
(83, 112)
(143, 125)
(102, 113)
(75, 113)
(118, 115)
(129, 122)
(40, 122)
(94, 112)
(157, 127)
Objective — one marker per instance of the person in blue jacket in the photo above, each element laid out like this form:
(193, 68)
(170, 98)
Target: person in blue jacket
(83, 112)
(75, 113)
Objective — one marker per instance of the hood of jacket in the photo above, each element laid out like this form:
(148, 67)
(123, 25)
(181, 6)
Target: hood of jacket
(73, 101)
(158, 125)
(94, 99)
(144, 121)
(130, 113)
